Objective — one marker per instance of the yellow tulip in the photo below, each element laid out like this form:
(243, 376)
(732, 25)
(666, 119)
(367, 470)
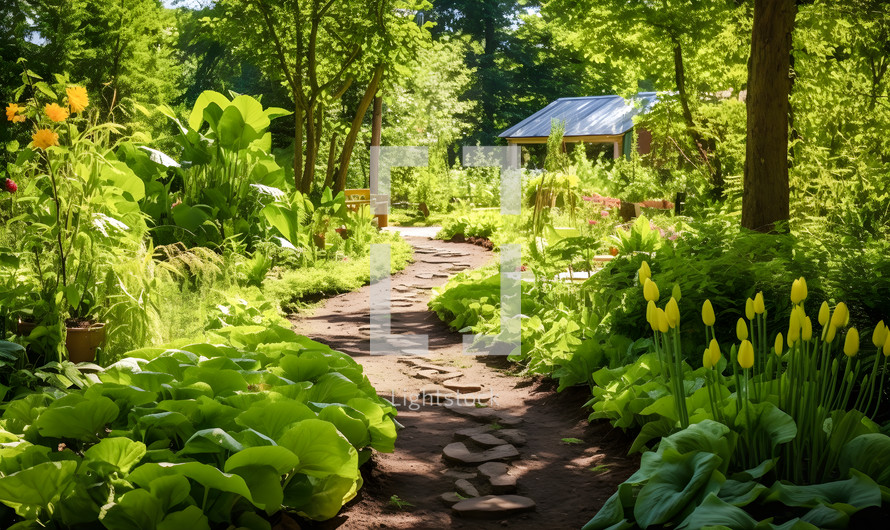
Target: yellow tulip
(879, 335)
(746, 354)
(707, 313)
(798, 290)
(749, 309)
(644, 273)
(650, 312)
(650, 290)
(663, 325)
(706, 359)
(794, 326)
(675, 292)
(886, 349)
(851, 344)
(673, 312)
(759, 306)
(824, 313)
(714, 350)
(806, 331)
(741, 329)
(830, 332)
(841, 316)
(779, 345)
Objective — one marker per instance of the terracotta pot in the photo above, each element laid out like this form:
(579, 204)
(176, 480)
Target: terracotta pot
(319, 240)
(81, 343)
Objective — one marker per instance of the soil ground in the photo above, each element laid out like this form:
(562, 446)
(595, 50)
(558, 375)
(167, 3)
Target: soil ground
(568, 481)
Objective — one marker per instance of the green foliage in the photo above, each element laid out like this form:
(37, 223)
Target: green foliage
(258, 421)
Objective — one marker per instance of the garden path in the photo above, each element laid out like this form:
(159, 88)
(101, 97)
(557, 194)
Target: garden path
(567, 481)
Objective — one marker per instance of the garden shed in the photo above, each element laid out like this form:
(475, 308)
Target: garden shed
(592, 119)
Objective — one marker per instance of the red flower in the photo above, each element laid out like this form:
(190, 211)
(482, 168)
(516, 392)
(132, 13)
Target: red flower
(11, 186)
(604, 213)
(593, 221)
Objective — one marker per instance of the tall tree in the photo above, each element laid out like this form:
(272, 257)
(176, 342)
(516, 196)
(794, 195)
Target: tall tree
(766, 194)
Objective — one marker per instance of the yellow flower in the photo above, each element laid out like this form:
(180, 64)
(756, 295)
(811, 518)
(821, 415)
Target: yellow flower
(55, 112)
(879, 335)
(706, 359)
(746, 354)
(749, 309)
(798, 290)
(851, 344)
(779, 345)
(77, 98)
(806, 329)
(714, 349)
(673, 312)
(886, 349)
(707, 313)
(759, 306)
(663, 325)
(650, 312)
(45, 138)
(824, 313)
(841, 316)
(12, 113)
(830, 332)
(794, 326)
(741, 329)
(650, 290)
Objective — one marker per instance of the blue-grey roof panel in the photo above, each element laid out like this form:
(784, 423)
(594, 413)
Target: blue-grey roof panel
(584, 116)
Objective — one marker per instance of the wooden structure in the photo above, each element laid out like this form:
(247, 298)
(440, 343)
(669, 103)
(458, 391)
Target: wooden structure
(359, 197)
(595, 119)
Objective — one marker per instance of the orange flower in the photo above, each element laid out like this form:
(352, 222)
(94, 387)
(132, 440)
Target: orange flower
(77, 98)
(55, 112)
(45, 138)
(12, 113)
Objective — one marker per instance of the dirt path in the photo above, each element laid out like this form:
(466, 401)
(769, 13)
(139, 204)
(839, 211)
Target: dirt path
(566, 481)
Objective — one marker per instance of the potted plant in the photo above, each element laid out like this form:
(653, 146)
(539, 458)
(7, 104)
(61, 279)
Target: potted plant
(75, 211)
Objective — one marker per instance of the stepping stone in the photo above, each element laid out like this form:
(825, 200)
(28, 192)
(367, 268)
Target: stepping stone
(457, 474)
(458, 453)
(424, 276)
(436, 395)
(493, 469)
(436, 261)
(451, 254)
(429, 366)
(462, 387)
(514, 436)
(502, 484)
(470, 400)
(401, 288)
(441, 275)
(402, 304)
(463, 434)
(450, 498)
(466, 489)
(483, 414)
(486, 440)
(493, 506)
(427, 374)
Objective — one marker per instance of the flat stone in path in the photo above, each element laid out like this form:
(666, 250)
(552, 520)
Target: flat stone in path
(466, 489)
(462, 387)
(485, 414)
(503, 484)
(493, 506)
(514, 436)
(493, 469)
(451, 498)
(458, 474)
(486, 440)
(458, 453)
(424, 276)
(463, 434)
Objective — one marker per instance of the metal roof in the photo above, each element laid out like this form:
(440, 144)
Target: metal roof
(584, 116)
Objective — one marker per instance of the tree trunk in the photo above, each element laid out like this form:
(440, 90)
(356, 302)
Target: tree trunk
(332, 161)
(377, 121)
(766, 197)
(349, 142)
(298, 145)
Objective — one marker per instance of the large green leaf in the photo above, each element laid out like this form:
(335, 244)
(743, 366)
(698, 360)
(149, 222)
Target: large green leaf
(859, 491)
(204, 99)
(306, 367)
(265, 486)
(191, 518)
(114, 455)
(380, 425)
(233, 132)
(252, 112)
(75, 417)
(321, 449)
(137, 510)
(280, 458)
(35, 489)
(675, 487)
(355, 430)
(190, 217)
(715, 512)
(206, 475)
(870, 454)
(214, 440)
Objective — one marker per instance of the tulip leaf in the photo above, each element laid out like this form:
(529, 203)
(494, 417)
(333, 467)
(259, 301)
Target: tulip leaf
(679, 482)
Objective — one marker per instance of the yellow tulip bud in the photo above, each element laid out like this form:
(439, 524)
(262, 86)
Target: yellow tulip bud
(746, 354)
(824, 314)
(798, 290)
(650, 290)
(714, 350)
(663, 325)
(644, 273)
(886, 349)
(673, 312)
(759, 306)
(779, 345)
(806, 329)
(741, 329)
(793, 328)
(749, 309)
(707, 313)
(830, 332)
(879, 334)
(675, 292)
(841, 316)
(650, 312)
(851, 344)
(706, 359)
